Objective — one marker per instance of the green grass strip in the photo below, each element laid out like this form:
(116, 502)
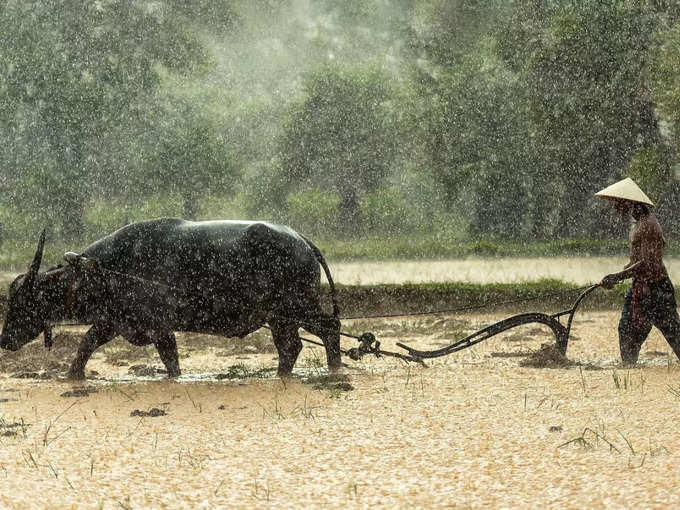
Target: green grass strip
(547, 296)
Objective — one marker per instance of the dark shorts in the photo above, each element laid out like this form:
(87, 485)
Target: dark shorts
(658, 309)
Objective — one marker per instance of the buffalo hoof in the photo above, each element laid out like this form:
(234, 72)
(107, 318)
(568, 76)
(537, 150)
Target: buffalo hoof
(76, 375)
(285, 373)
(337, 374)
(336, 368)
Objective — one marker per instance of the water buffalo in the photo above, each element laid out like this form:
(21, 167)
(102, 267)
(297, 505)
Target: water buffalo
(152, 278)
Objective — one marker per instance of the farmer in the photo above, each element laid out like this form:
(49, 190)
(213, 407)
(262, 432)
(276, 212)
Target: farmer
(651, 299)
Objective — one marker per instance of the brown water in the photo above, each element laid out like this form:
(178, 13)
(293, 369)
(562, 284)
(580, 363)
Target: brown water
(579, 270)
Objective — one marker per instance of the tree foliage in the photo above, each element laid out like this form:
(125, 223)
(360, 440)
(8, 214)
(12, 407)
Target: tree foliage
(583, 64)
(70, 71)
(503, 117)
(191, 158)
(339, 136)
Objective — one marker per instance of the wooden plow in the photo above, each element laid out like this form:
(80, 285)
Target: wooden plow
(561, 331)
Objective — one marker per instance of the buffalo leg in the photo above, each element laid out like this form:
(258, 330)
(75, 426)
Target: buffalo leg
(288, 345)
(97, 335)
(327, 328)
(166, 345)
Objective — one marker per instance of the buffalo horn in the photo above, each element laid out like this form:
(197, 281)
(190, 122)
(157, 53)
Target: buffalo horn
(37, 259)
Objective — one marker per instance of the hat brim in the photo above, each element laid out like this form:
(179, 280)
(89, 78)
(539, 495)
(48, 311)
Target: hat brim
(625, 189)
(614, 199)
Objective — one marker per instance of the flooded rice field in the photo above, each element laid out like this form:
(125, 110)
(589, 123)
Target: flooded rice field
(492, 426)
(578, 270)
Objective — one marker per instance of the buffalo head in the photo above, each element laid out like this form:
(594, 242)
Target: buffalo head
(25, 318)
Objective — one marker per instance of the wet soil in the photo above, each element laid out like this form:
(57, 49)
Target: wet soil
(474, 429)
(151, 413)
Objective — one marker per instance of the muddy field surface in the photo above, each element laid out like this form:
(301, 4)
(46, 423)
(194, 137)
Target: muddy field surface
(506, 423)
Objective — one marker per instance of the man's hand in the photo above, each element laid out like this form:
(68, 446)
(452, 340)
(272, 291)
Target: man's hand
(609, 281)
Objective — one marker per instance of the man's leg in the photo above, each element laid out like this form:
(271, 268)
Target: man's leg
(665, 315)
(631, 337)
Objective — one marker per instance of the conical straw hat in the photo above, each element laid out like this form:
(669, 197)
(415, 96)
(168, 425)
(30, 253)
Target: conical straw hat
(625, 190)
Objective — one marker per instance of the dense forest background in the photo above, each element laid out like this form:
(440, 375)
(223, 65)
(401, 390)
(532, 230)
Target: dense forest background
(472, 119)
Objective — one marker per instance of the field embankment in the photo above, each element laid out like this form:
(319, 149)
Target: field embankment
(397, 299)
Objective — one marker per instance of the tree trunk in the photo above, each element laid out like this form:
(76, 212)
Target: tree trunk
(73, 191)
(73, 218)
(189, 206)
(350, 213)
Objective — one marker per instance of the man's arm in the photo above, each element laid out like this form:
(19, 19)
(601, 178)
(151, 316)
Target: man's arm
(629, 271)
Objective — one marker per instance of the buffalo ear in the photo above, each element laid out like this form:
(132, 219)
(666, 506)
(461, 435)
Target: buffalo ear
(37, 260)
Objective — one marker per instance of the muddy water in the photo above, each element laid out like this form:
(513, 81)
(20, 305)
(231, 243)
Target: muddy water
(473, 430)
(579, 270)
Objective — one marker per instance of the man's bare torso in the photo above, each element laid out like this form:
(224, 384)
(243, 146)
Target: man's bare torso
(647, 245)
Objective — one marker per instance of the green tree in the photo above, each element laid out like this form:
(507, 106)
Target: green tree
(69, 72)
(584, 66)
(191, 157)
(665, 79)
(473, 125)
(339, 137)
(480, 147)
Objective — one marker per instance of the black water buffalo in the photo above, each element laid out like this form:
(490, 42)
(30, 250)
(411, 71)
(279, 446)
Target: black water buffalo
(152, 278)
